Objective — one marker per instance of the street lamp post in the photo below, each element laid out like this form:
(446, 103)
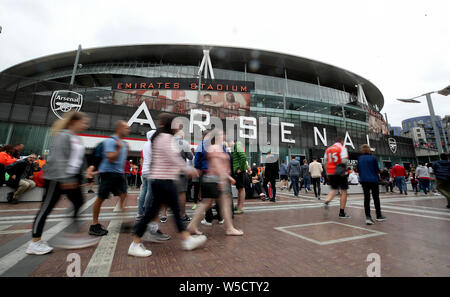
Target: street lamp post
(433, 123)
(437, 135)
(75, 65)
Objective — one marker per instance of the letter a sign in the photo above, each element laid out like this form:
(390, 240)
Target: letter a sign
(148, 118)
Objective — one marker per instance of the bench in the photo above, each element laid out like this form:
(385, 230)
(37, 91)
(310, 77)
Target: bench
(35, 195)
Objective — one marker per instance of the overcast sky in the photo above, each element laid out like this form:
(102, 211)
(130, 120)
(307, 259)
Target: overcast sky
(403, 47)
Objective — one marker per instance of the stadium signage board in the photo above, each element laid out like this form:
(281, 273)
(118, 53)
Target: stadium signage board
(167, 83)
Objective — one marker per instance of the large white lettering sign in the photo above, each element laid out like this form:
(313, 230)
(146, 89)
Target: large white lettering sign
(148, 118)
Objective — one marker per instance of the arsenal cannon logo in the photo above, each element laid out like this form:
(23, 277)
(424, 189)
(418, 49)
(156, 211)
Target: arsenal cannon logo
(392, 144)
(64, 101)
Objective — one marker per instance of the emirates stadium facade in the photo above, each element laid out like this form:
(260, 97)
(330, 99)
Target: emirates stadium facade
(316, 101)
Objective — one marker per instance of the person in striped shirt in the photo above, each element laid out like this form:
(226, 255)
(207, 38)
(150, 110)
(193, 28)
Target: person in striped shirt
(165, 167)
(216, 184)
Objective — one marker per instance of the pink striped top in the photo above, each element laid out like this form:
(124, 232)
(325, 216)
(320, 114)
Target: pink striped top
(166, 160)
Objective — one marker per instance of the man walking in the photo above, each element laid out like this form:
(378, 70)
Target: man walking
(112, 174)
(294, 172)
(306, 177)
(283, 175)
(442, 171)
(398, 173)
(336, 156)
(315, 169)
(423, 175)
(240, 175)
(271, 172)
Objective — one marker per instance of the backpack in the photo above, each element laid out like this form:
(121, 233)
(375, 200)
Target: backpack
(97, 156)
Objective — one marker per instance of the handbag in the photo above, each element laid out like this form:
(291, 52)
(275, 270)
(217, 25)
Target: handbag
(341, 169)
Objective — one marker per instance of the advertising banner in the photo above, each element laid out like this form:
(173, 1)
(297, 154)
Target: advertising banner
(180, 94)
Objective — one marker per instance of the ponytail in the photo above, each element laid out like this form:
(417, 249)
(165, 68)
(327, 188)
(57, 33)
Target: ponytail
(67, 120)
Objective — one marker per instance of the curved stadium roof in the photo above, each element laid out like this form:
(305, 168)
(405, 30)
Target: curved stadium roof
(229, 58)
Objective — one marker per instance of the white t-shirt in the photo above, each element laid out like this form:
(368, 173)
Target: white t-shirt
(76, 155)
(147, 154)
(353, 178)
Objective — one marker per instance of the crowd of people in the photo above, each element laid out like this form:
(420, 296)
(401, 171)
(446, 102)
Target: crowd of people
(168, 170)
(22, 174)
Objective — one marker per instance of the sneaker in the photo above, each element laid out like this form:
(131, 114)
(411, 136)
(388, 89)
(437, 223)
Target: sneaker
(138, 250)
(221, 222)
(205, 222)
(10, 197)
(38, 248)
(91, 192)
(193, 242)
(325, 205)
(97, 230)
(163, 219)
(139, 217)
(194, 207)
(14, 201)
(157, 236)
(369, 221)
(186, 219)
(238, 211)
(381, 218)
(344, 216)
(71, 242)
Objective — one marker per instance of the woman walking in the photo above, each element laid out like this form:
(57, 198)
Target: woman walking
(215, 185)
(63, 175)
(368, 173)
(165, 166)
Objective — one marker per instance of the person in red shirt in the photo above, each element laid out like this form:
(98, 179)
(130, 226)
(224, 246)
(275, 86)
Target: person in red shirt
(398, 173)
(6, 158)
(336, 156)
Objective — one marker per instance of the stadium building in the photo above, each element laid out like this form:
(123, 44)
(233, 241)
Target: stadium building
(313, 101)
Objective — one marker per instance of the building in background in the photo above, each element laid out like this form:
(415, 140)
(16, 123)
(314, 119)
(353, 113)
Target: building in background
(426, 128)
(396, 131)
(446, 123)
(316, 101)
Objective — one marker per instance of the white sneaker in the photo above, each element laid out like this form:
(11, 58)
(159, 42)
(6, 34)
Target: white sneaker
(204, 222)
(221, 222)
(38, 248)
(138, 250)
(193, 242)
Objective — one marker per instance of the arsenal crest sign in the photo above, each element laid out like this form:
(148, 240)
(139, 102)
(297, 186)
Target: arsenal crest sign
(392, 145)
(64, 101)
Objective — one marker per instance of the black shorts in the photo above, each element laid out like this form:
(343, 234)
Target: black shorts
(111, 182)
(90, 180)
(338, 182)
(210, 187)
(182, 183)
(283, 177)
(240, 180)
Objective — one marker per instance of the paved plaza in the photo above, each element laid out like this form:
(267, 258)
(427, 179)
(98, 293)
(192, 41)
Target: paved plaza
(292, 237)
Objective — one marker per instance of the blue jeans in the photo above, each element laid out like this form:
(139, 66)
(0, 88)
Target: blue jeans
(400, 183)
(294, 182)
(307, 182)
(424, 184)
(165, 193)
(145, 197)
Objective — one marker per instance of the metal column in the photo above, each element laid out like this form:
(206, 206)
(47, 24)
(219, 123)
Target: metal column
(437, 135)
